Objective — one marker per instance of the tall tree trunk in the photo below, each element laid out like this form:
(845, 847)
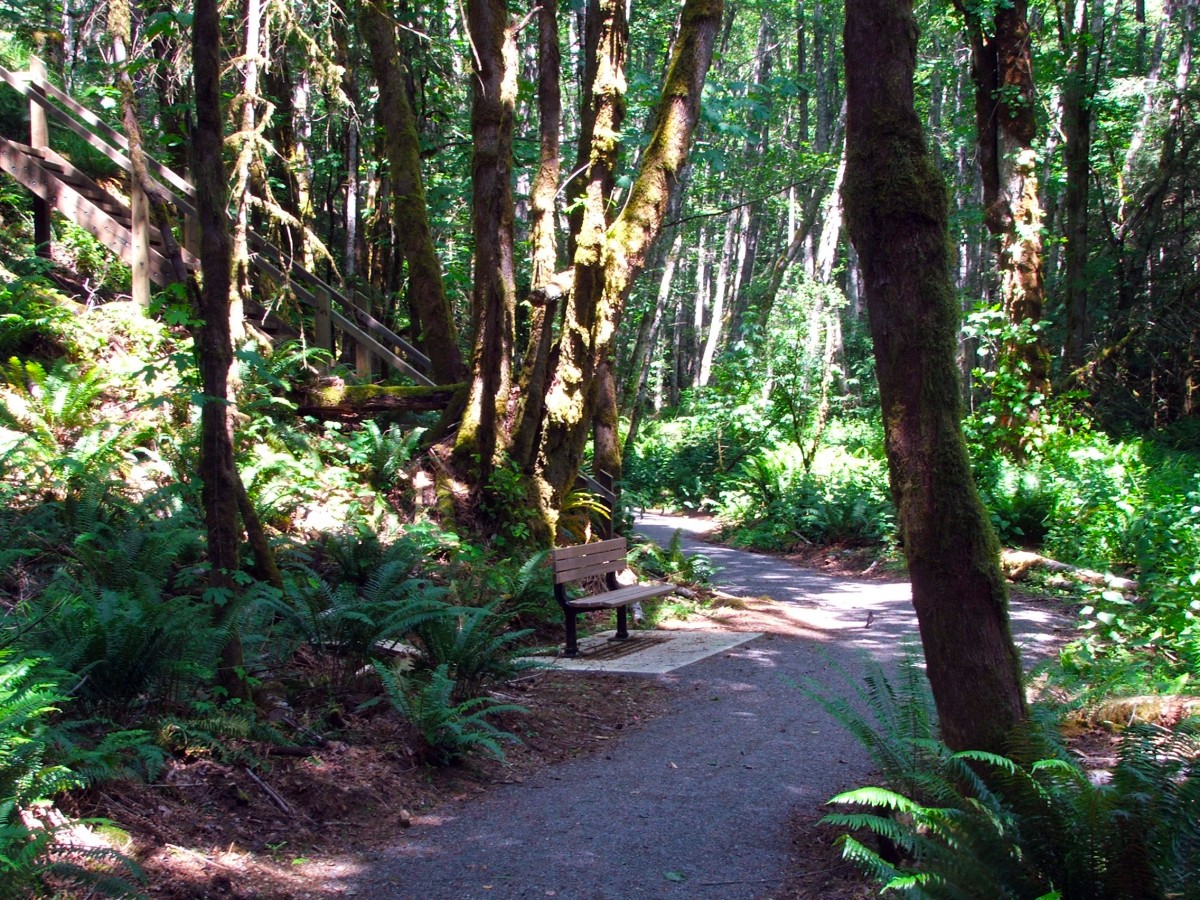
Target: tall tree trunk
(700, 305)
(831, 226)
(896, 210)
(678, 327)
(494, 300)
(636, 397)
(780, 265)
(403, 151)
(291, 127)
(535, 368)
(1140, 233)
(247, 153)
(1077, 134)
(213, 341)
(1005, 123)
(717, 320)
(624, 252)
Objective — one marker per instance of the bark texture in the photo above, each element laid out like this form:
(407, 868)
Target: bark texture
(213, 342)
(1005, 123)
(535, 370)
(896, 209)
(402, 148)
(627, 243)
(1077, 148)
(494, 302)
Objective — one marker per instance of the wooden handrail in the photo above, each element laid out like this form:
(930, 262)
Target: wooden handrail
(359, 324)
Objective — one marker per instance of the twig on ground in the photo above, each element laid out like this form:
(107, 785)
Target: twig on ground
(271, 793)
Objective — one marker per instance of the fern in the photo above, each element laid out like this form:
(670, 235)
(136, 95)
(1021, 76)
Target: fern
(448, 728)
(49, 404)
(118, 754)
(25, 703)
(31, 323)
(28, 854)
(218, 732)
(473, 646)
(121, 645)
(381, 455)
(348, 622)
(976, 824)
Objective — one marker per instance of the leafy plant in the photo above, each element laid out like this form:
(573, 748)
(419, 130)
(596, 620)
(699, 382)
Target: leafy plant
(379, 454)
(671, 562)
(778, 501)
(124, 645)
(30, 850)
(1034, 825)
(50, 404)
(119, 612)
(33, 325)
(449, 729)
(217, 730)
(474, 646)
(348, 622)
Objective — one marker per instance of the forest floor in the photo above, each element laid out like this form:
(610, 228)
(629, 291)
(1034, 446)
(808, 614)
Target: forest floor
(283, 826)
(287, 827)
(209, 828)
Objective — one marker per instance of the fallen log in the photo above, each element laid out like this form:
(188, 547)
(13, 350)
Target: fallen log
(352, 402)
(1019, 564)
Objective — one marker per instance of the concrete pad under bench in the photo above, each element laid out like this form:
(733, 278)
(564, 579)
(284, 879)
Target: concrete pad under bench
(647, 652)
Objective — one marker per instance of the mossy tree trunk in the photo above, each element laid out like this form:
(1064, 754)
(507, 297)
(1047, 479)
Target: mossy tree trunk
(402, 149)
(896, 210)
(1006, 125)
(482, 435)
(214, 348)
(603, 116)
(608, 270)
(1075, 36)
(545, 435)
(535, 371)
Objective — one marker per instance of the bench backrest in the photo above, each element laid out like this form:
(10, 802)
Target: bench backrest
(584, 560)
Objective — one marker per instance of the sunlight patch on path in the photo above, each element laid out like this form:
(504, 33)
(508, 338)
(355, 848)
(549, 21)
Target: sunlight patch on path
(869, 615)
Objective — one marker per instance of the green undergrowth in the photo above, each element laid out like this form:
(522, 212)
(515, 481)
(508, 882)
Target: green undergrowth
(1032, 823)
(110, 632)
(1122, 506)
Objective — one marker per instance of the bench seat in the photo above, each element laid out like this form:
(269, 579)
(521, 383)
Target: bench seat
(604, 558)
(621, 597)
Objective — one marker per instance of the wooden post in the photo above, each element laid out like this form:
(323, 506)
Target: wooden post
(323, 324)
(39, 139)
(364, 360)
(191, 226)
(139, 264)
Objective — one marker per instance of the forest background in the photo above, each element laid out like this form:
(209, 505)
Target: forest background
(594, 235)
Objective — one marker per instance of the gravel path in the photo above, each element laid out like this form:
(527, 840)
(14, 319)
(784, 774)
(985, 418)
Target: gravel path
(694, 804)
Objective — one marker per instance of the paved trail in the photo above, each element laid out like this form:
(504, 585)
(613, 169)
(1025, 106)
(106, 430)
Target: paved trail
(703, 793)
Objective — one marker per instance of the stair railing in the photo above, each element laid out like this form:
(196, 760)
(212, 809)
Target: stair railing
(354, 320)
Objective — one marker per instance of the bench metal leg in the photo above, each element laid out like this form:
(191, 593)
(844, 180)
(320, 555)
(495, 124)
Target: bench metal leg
(572, 643)
(622, 624)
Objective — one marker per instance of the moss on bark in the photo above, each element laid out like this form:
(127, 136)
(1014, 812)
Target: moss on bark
(896, 209)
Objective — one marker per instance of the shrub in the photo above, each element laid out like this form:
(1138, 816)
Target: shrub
(473, 645)
(29, 853)
(449, 728)
(348, 623)
(776, 503)
(1034, 825)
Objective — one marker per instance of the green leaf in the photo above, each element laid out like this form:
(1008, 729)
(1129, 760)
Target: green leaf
(674, 876)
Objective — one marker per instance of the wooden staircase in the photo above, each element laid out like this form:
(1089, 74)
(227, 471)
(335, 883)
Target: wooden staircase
(107, 217)
(122, 225)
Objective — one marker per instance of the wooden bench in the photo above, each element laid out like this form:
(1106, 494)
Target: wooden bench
(585, 561)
